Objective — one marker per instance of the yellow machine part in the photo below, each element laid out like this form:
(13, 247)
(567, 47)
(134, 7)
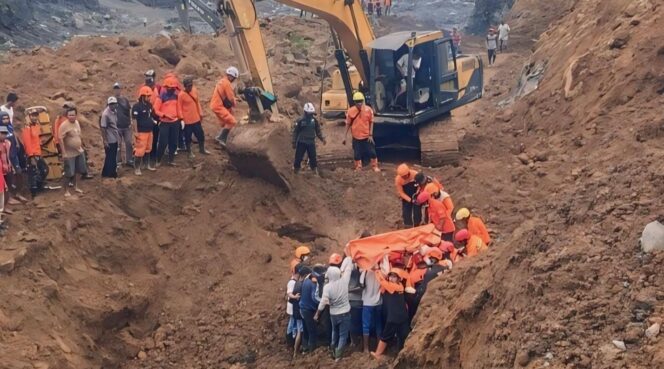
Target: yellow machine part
(49, 151)
(335, 101)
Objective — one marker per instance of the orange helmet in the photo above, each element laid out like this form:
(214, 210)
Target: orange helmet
(302, 251)
(335, 259)
(171, 82)
(403, 170)
(431, 188)
(145, 91)
(399, 273)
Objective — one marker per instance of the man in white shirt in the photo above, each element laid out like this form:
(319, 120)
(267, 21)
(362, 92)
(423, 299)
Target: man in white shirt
(503, 35)
(8, 108)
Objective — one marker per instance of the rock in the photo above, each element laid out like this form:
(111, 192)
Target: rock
(27, 237)
(190, 67)
(90, 106)
(164, 239)
(288, 58)
(619, 42)
(523, 158)
(107, 17)
(523, 358)
(653, 330)
(620, 345)
(78, 21)
(9, 259)
(63, 346)
(164, 47)
(40, 365)
(507, 115)
(652, 237)
(133, 42)
(292, 90)
(142, 355)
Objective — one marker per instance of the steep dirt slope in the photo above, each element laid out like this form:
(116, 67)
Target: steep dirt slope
(580, 174)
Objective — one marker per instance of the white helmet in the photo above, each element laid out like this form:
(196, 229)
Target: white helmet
(112, 100)
(309, 108)
(232, 71)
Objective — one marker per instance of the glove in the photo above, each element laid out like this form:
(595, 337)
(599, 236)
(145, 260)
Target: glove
(182, 124)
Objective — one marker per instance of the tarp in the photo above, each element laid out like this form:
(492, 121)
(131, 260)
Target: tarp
(368, 251)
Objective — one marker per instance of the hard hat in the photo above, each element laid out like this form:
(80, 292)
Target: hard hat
(423, 197)
(112, 100)
(435, 253)
(117, 85)
(171, 82)
(461, 235)
(431, 188)
(309, 108)
(462, 213)
(301, 251)
(145, 91)
(302, 269)
(399, 273)
(403, 170)
(232, 71)
(335, 259)
(358, 96)
(150, 73)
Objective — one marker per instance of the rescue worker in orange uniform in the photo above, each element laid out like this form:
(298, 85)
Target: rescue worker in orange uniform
(302, 256)
(445, 198)
(438, 214)
(406, 188)
(360, 122)
(449, 251)
(192, 116)
(150, 81)
(222, 103)
(473, 244)
(36, 166)
(430, 266)
(167, 109)
(145, 123)
(474, 224)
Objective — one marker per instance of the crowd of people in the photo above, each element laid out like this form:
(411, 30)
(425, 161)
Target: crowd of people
(343, 302)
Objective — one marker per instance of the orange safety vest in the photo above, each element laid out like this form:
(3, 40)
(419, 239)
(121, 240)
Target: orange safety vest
(475, 245)
(31, 141)
(360, 121)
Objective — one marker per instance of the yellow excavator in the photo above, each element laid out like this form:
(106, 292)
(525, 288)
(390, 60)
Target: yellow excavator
(412, 80)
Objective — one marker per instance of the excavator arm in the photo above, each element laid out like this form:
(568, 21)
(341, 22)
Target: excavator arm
(209, 15)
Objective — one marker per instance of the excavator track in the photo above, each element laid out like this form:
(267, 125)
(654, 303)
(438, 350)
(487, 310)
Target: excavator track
(439, 144)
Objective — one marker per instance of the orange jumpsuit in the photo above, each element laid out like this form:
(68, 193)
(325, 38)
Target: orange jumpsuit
(189, 106)
(476, 227)
(224, 91)
(31, 140)
(474, 246)
(440, 216)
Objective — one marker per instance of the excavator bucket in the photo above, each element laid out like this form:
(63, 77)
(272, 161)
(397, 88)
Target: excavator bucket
(263, 151)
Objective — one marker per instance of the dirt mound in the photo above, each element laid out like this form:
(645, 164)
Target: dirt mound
(579, 178)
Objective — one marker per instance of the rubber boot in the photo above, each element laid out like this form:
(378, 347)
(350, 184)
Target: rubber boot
(137, 166)
(365, 341)
(151, 167)
(378, 354)
(201, 149)
(358, 165)
(374, 165)
(316, 173)
(223, 137)
(338, 354)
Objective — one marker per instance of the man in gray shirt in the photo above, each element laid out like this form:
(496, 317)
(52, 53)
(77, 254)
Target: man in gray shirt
(108, 124)
(124, 127)
(492, 45)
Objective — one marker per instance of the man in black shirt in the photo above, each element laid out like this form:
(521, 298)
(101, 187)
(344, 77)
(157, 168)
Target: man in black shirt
(305, 132)
(142, 113)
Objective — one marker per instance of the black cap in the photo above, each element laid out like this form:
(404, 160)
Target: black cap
(302, 269)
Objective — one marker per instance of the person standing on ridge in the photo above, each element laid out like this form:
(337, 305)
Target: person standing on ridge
(491, 45)
(142, 113)
(124, 127)
(222, 103)
(305, 132)
(360, 122)
(110, 137)
(167, 109)
(192, 116)
(503, 35)
(73, 154)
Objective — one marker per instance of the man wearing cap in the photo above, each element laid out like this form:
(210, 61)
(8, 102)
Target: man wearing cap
(491, 45)
(110, 136)
(124, 126)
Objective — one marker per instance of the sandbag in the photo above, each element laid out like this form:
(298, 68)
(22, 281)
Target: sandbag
(652, 237)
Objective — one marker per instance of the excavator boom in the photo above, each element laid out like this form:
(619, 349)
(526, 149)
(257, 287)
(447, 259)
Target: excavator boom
(208, 14)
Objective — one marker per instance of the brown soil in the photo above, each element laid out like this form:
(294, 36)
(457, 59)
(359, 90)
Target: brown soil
(186, 267)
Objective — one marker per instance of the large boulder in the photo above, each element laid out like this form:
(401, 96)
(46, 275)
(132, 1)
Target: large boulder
(164, 47)
(652, 237)
(190, 67)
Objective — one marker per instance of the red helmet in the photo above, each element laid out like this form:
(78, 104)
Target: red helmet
(335, 259)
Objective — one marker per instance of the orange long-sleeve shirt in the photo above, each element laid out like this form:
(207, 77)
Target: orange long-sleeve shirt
(31, 140)
(439, 215)
(190, 106)
(166, 107)
(223, 90)
(360, 121)
(475, 245)
(476, 227)
(403, 186)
